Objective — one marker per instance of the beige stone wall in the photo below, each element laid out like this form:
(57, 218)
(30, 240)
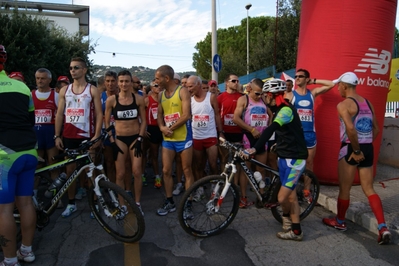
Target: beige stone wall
(389, 152)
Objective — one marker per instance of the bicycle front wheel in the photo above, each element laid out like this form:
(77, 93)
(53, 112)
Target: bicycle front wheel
(126, 225)
(306, 199)
(210, 214)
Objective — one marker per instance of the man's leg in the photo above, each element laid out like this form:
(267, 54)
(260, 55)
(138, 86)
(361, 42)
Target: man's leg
(167, 161)
(28, 218)
(212, 155)
(8, 230)
(186, 157)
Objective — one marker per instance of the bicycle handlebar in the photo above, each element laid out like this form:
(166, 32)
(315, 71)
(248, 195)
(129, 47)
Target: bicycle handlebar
(227, 144)
(70, 153)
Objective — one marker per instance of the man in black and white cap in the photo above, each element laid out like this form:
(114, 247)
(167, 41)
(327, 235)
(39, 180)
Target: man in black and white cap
(176, 78)
(358, 129)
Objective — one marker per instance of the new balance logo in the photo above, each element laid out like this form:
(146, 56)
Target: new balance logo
(378, 63)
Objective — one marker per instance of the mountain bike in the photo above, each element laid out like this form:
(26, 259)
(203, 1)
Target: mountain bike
(106, 199)
(215, 211)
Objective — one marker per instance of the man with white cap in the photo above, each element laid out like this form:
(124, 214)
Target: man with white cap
(357, 131)
(176, 78)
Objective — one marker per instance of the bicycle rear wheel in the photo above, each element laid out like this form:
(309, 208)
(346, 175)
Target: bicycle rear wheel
(207, 221)
(306, 203)
(124, 226)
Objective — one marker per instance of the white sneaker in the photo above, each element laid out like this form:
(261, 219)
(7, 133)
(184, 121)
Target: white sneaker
(179, 188)
(71, 208)
(199, 194)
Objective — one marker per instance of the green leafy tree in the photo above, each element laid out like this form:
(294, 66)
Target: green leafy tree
(268, 44)
(32, 43)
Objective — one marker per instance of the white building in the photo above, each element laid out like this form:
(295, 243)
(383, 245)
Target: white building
(74, 18)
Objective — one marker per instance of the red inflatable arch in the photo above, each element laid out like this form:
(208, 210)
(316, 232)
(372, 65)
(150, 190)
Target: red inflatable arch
(340, 36)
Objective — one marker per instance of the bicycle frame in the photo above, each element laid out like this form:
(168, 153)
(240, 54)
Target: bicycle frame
(229, 177)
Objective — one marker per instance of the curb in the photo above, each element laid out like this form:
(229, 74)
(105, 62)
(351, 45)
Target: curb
(361, 214)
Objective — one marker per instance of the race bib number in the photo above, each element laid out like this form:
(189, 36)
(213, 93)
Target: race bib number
(154, 112)
(258, 120)
(201, 121)
(305, 115)
(43, 116)
(171, 119)
(75, 115)
(127, 114)
(228, 120)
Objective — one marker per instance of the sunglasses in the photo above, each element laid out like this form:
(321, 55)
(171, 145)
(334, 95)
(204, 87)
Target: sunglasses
(234, 80)
(300, 76)
(75, 67)
(156, 86)
(258, 93)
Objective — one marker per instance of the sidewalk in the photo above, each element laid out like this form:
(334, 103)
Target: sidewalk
(386, 184)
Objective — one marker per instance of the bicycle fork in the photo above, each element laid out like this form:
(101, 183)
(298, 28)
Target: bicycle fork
(210, 205)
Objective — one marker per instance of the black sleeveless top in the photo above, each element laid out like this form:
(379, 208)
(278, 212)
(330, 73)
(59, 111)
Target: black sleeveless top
(125, 112)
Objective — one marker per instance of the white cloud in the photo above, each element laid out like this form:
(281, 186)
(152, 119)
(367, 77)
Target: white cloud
(168, 22)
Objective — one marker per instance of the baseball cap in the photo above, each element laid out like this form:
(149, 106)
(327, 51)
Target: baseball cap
(212, 82)
(176, 76)
(64, 79)
(348, 77)
(16, 75)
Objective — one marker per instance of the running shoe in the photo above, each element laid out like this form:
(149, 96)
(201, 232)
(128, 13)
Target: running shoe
(157, 183)
(334, 223)
(384, 236)
(166, 208)
(179, 188)
(141, 210)
(307, 195)
(144, 180)
(81, 193)
(244, 203)
(290, 235)
(199, 194)
(71, 208)
(27, 257)
(188, 212)
(122, 213)
(287, 223)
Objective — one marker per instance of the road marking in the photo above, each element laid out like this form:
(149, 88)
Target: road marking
(132, 254)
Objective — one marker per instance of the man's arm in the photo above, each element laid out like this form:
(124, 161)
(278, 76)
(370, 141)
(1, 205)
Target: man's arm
(241, 102)
(98, 111)
(59, 117)
(343, 111)
(160, 119)
(326, 86)
(186, 109)
(109, 104)
(215, 106)
(376, 129)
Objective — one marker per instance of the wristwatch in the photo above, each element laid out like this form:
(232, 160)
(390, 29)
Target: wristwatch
(357, 152)
(55, 137)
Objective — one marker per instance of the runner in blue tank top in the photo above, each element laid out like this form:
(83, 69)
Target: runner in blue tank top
(303, 99)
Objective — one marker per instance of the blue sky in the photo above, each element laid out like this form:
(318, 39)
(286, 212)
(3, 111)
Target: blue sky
(151, 33)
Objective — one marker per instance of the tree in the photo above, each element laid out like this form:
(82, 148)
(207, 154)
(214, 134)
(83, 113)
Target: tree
(31, 44)
(265, 40)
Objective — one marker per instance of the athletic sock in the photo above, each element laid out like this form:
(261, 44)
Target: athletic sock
(296, 228)
(170, 200)
(25, 249)
(10, 261)
(376, 207)
(342, 207)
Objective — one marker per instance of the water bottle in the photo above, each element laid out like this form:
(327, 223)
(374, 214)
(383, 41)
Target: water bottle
(259, 180)
(56, 185)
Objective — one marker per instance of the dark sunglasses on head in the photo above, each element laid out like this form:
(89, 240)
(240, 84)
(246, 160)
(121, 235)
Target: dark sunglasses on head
(75, 67)
(234, 80)
(299, 76)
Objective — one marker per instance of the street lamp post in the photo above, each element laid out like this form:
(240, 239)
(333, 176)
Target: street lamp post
(247, 7)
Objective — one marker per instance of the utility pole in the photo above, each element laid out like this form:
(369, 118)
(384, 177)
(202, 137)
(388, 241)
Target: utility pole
(214, 40)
